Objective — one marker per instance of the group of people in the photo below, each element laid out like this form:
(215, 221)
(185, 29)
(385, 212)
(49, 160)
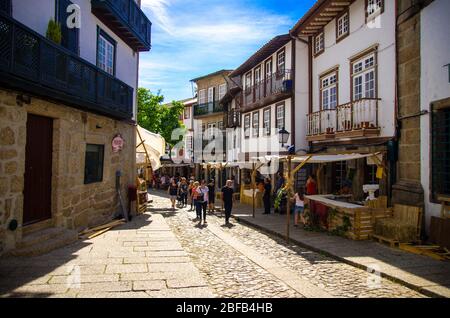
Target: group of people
(201, 196)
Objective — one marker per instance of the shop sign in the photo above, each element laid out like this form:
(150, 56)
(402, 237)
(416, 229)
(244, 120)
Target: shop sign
(117, 143)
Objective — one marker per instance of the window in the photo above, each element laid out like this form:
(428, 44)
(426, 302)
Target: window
(70, 37)
(220, 125)
(93, 167)
(319, 43)
(342, 26)
(364, 77)
(440, 152)
(189, 143)
(210, 94)
(106, 50)
(280, 116)
(266, 122)
(187, 112)
(255, 124)
(328, 91)
(268, 68)
(257, 75)
(202, 96)
(222, 90)
(374, 8)
(247, 126)
(281, 62)
(248, 81)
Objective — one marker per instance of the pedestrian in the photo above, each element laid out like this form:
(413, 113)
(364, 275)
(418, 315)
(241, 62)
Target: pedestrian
(227, 199)
(183, 191)
(173, 192)
(311, 185)
(211, 196)
(191, 198)
(202, 200)
(196, 199)
(267, 195)
(299, 208)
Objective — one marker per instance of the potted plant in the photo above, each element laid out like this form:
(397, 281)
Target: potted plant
(54, 31)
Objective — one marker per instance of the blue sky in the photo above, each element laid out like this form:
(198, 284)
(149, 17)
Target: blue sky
(191, 38)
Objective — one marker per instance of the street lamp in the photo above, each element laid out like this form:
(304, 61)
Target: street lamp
(283, 136)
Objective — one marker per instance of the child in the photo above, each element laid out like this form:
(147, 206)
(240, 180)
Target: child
(299, 207)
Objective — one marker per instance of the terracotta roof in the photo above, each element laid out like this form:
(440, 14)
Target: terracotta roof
(268, 49)
(211, 74)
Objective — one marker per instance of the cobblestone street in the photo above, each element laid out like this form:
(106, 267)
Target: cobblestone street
(232, 274)
(169, 254)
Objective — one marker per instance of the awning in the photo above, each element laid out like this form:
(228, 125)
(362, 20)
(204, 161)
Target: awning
(317, 158)
(149, 148)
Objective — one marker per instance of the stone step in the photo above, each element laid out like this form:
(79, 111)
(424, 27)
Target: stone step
(63, 238)
(40, 236)
(36, 227)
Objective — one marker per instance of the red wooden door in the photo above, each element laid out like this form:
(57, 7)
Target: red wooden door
(38, 169)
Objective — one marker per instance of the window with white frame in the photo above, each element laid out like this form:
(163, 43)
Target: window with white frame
(248, 81)
(220, 125)
(210, 94)
(202, 96)
(280, 114)
(257, 75)
(374, 8)
(255, 124)
(328, 90)
(266, 122)
(319, 43)
(281, 62)
(247, 126)
(187, 112)
(342, 26)
(105, 55)
(268, 68)
(222, 90)
(364, 77)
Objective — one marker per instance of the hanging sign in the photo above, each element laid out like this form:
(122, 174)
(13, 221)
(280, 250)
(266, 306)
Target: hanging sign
(117, 143)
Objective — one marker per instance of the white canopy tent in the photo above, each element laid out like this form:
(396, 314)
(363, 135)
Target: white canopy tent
(149, 148)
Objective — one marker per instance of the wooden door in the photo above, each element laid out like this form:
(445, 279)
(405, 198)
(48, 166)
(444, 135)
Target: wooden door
(38, 169)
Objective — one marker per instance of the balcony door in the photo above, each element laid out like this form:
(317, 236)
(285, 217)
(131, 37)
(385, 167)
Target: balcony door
(70, 36)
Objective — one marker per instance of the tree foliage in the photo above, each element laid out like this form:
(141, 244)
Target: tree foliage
(158, 118)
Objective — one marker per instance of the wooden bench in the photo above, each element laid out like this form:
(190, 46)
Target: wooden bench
(404, 227)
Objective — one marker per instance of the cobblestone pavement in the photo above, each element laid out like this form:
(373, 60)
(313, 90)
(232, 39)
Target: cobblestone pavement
(232, 274)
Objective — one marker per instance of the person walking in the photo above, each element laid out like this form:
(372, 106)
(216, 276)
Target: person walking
(196, 199)
(173, 192)
(299, 208)
(202, 202)
(267, 195)
(191, 198)
(183, 191)
(211, 196)
(227, 199)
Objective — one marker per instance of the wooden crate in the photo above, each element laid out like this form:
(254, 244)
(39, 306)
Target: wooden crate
(362, 221)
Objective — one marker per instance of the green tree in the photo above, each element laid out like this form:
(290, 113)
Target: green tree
(158, 118)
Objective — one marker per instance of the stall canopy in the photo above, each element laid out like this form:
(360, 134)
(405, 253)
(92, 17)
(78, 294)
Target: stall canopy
(149, 148)
(318, 158)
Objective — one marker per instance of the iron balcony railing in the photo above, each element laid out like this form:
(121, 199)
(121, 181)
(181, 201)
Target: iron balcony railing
(273, 85)
(207, 108)
(30, 62)
(360, 114)
(135, 27)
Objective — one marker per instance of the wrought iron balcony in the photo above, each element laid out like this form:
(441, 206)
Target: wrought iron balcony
(271, 89)
(233, 118)
(207, 109)
(127, 20)
(355, 119)
(32, 63)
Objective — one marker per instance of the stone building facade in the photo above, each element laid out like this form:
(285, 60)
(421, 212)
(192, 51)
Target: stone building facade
(75, 205)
